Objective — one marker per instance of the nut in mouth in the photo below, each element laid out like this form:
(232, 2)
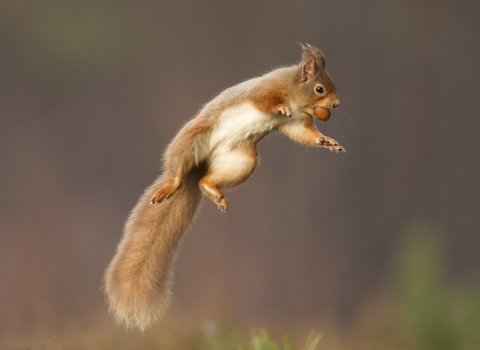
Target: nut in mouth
(321, 113)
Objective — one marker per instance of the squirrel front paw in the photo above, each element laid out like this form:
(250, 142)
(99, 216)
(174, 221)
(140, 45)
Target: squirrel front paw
(330, 143)
(284, 109)
(223, 205)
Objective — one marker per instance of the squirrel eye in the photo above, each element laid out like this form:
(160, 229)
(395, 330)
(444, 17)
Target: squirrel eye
(319, 89)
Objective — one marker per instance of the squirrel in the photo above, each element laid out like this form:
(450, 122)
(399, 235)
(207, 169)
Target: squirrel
(215, 150)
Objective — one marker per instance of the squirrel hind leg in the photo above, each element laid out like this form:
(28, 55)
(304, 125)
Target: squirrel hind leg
(166, 191)
(228, 169)
(211, 191)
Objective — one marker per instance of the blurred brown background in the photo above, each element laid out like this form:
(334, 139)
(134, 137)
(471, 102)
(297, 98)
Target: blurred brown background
(91, 92)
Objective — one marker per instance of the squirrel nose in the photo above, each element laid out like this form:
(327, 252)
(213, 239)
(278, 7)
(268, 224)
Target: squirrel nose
(334, 101)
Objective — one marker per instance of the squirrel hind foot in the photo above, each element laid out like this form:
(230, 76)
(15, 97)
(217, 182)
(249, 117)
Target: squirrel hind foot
(211, 191)
(164, 193)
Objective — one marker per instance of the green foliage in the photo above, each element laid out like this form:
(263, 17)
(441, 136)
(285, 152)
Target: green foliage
(312, 340)
(223, 341)
(260, 340)
(432, 314)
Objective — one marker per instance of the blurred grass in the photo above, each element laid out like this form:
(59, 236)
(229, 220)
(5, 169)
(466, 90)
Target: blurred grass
(433, 312)
(423, 307)
(104, 339)
(260, 340)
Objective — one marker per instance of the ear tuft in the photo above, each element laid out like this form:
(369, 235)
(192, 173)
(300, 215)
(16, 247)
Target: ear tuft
(307, 53)
(319, 57)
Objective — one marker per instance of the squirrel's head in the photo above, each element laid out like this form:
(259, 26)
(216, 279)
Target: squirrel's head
(318, 92)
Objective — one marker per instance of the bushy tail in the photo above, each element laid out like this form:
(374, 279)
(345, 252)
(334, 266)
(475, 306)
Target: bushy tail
(138, 280)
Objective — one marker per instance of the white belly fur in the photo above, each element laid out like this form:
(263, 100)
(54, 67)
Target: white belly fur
(241, 123)
(237, 125)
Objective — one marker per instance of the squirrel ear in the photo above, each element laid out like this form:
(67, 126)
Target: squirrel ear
(312, 61)
(308, 70)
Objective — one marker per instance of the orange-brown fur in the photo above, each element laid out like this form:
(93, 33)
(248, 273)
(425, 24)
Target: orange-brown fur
(215, 150)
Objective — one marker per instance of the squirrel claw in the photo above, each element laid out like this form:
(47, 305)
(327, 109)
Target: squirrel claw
(284, 109)
(157, 199)
(162, 194)
(223, 205)
(330, 143)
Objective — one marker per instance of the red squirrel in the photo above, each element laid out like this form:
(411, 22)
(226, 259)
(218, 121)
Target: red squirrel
(215, 150)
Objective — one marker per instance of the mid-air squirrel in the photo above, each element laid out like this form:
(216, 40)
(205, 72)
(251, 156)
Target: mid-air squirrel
(215, 150)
